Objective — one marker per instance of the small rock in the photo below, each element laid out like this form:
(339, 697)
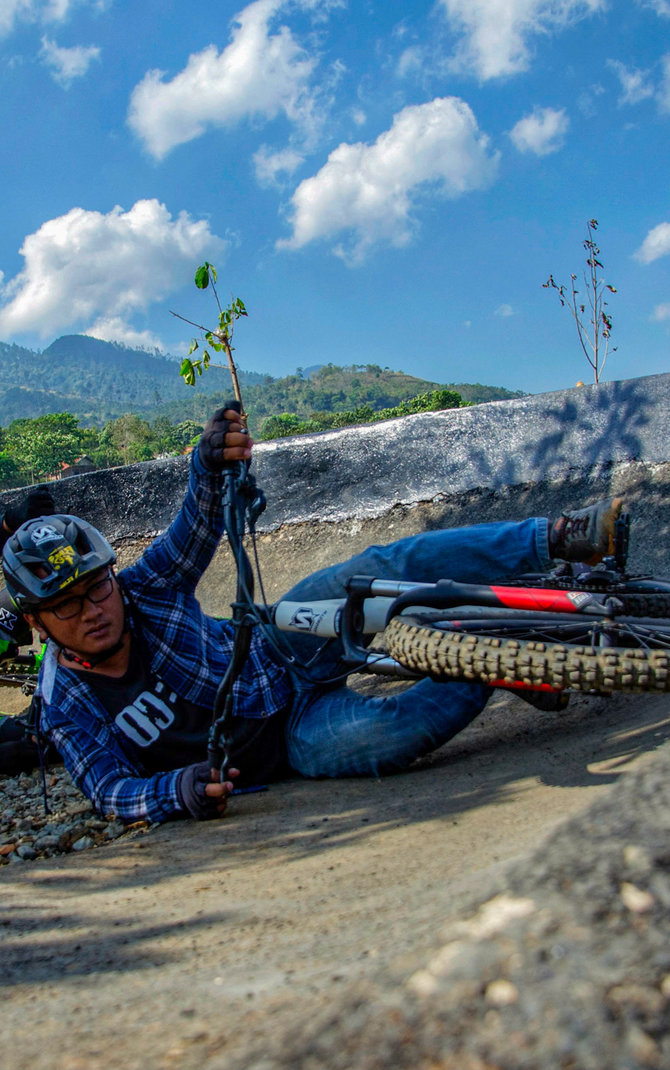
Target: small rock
(26, 852)
(501, 993)
(83, 843)
(116, 828)
(46, 841)
(637, 900)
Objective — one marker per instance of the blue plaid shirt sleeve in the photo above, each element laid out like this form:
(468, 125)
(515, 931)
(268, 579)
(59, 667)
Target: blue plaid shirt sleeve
(112, 784)
(177, 558)
(183, 641)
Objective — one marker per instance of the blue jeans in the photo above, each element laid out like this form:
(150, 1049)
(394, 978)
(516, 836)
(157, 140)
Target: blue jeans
(333, 731)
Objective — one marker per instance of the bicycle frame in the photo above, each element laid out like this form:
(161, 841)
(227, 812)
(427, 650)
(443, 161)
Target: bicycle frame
(371, 602)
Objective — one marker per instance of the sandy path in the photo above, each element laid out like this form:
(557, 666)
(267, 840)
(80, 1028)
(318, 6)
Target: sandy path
(176, 948)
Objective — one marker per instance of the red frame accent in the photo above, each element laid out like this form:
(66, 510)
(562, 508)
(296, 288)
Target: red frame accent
(535, 598)
(517, 685)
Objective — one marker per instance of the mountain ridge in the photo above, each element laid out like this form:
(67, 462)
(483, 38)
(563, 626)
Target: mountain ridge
(98, 381)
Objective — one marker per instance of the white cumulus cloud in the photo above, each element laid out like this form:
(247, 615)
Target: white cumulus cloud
(368, 190)
(655, 245)
(504, 311)
(495, 33)
(67, 63)
(661, 313)
(661, 7)
(86, 267)
(260, 74)
(542, 132)
(635, 84)
(42, 11)
(115, 329)
(269, 165)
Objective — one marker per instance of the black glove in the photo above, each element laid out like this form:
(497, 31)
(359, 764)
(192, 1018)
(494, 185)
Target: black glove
(191, 791)
(212, 440)
(37, 503)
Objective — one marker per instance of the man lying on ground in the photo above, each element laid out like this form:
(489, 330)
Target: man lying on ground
(128, 683)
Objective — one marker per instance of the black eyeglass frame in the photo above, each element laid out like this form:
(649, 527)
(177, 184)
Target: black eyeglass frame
(77, 600)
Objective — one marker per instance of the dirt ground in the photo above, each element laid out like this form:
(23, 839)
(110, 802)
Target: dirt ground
(191, 944)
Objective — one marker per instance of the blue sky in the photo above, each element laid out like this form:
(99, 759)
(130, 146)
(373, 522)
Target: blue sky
(380, 182)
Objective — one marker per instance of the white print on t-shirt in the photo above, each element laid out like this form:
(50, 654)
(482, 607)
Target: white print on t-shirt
(146, 717)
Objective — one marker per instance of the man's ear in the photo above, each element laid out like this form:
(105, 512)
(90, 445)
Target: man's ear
(35, 622)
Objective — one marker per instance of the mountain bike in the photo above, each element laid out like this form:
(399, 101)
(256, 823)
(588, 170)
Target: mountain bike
(573, 629)
(18, 668)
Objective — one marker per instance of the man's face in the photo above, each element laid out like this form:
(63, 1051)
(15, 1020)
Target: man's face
(93, 623)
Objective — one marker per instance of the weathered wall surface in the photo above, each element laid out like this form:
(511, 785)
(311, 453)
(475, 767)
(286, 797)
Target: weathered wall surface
(333, 493)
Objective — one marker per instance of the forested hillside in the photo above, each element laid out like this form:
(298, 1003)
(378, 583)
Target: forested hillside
(94, 380)
(98, 381)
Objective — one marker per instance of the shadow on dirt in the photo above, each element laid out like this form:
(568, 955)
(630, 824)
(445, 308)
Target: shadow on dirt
(490, 765)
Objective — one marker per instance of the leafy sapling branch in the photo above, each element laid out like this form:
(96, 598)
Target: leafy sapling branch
(593, 321)
(219, 340)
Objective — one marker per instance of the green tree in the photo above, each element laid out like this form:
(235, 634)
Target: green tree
(286, 423)
(130, 436)
(186, 432)
(163, 436)
(10, 475)
(41, 446)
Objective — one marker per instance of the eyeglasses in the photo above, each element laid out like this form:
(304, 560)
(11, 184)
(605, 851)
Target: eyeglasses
(73, 606)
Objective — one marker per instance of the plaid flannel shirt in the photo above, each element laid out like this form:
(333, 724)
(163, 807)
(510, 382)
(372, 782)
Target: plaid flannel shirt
(187, 649)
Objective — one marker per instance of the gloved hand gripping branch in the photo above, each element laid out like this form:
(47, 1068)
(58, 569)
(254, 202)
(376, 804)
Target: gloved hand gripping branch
(213, 438)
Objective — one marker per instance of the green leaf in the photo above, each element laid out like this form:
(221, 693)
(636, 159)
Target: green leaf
(193, 346)
(205, 359)
(186, 372)
(202, 276)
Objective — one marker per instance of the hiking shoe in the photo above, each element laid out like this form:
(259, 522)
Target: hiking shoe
(585, 535)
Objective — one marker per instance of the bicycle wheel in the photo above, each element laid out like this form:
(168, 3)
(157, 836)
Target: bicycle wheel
(541, 652)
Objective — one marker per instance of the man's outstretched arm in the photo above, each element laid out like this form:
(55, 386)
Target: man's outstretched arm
(115, 786)
(179, 556)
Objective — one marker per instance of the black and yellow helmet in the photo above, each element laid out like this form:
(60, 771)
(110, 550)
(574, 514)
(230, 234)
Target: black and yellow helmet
(46, 555)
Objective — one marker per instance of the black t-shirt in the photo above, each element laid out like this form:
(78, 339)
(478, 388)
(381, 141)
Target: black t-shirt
(167, 732)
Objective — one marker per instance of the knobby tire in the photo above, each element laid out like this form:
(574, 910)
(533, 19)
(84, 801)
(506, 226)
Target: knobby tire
(446, 655)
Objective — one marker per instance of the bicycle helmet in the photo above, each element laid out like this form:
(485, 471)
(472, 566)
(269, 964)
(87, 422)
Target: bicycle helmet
(49, 553)
(13, 626)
